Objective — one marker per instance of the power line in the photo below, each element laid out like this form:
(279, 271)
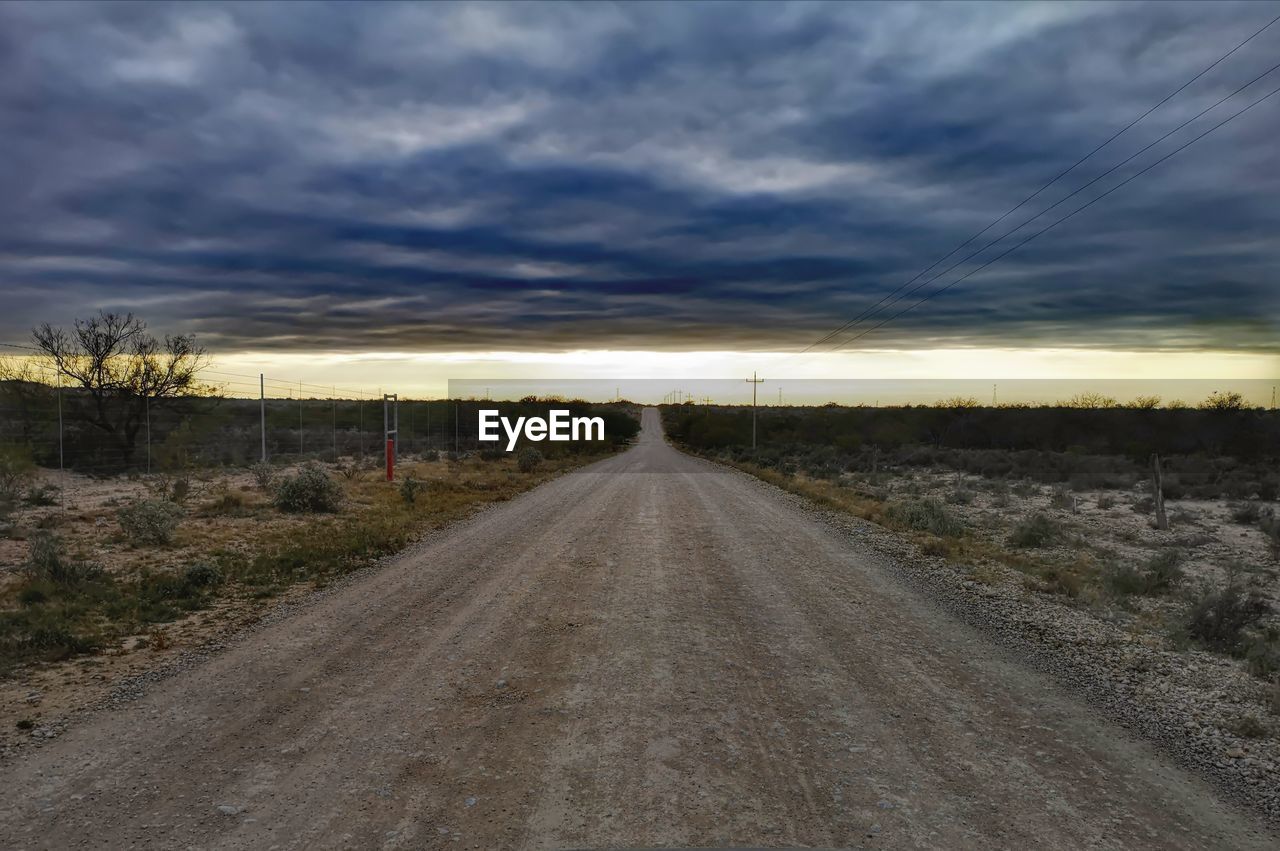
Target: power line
(1076, 192)
(1057, 222)
(1033, 195)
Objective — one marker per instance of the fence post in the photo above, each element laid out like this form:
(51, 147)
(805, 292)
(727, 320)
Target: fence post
(1157, 485)
(60, 464)
(335, 425)
(146, 400)
(262, 414)
(391, 430)
(299, 419)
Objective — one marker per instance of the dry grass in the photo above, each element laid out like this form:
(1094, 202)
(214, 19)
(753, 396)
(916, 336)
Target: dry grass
(231, 551)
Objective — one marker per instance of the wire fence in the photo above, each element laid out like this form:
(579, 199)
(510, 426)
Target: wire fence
(237, 419)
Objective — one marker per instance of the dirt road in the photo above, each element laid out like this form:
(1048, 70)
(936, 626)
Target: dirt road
(651, 651)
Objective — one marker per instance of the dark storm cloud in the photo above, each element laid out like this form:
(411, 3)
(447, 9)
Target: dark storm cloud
(656, 176)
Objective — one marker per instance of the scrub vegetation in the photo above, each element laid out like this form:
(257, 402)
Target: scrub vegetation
(1060, 500)
(106, 561)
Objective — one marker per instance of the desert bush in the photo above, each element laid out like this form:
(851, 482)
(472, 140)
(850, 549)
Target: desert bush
(1246, 514)
(41, 495)
(1271, 528)
(431, 455)
(1262, 653)
(309, 490)
(1164, 571)
(1062, 498)
(180, 488)
(925, 515)
(491, 453)
(1124, 580)
(1024, 488)
(149, 521)
(226, 503)
(1145, 505)
(16, 468)
(410, 488)
(350, 471)
(47, 562)
(960, 496)
(202, 574)
(263, 474)
(1219, 618)
(1106, 502)
(528, 459)
(1036, 531)
(1155, 577)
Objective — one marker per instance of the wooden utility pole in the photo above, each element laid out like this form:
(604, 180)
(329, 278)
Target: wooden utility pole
(754, 382)
(1157, 487)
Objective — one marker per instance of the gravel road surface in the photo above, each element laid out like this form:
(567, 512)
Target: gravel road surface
(650, 651)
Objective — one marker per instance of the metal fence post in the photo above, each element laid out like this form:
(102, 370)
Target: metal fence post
(60, 464)
(299, 419)
(147, 406)
(335, 425)
(262, 413)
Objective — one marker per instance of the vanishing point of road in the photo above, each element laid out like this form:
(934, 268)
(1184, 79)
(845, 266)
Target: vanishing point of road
(650, 651)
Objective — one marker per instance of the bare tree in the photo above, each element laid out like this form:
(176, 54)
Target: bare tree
(123, 370)
(1091, 401)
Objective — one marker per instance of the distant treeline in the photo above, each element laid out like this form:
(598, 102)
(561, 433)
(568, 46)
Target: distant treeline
(1246, 434)
(1208, 453)
(217, 431)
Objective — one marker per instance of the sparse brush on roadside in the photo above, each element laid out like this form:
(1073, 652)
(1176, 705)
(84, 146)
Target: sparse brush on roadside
(47, 562)
(41, 495)
(1062, 498)
(960, 496)
(1035, 532)
(431, 455)
(1219, 618)
(309, 490)
(16, 469)
(528, 459)
(1157, 576)
(226, 504)
(1271, 528)
(1246, 514)
(924, 515)
(150, 521)
(1262, 652)
(410, 488)
(1106, 502)
(263, 474)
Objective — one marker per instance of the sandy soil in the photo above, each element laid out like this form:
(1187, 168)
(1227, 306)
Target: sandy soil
(650, 651)
(1103, 522)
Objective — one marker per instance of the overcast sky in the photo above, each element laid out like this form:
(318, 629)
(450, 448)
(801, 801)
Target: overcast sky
(662, 177)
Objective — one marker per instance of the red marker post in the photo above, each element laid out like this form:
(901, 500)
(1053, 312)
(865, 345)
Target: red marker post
(391, 459)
